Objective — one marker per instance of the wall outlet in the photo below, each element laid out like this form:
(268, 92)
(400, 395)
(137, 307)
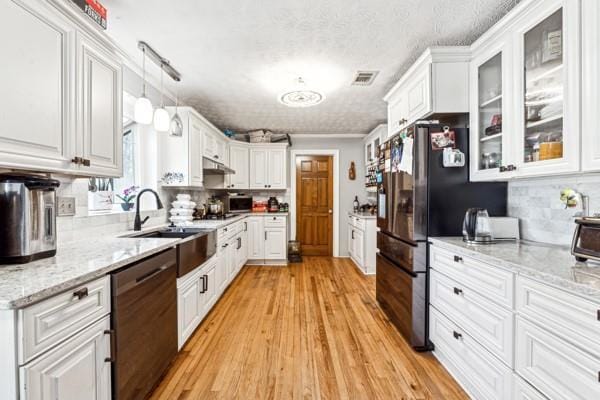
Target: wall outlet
(66, 206)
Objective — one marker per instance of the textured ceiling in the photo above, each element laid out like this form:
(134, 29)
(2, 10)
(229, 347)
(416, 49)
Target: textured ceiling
(237, 56)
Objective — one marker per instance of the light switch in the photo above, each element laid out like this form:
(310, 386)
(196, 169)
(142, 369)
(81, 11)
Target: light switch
(66, 206)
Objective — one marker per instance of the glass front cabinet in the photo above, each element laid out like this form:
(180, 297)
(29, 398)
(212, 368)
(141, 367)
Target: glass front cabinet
(525, 104)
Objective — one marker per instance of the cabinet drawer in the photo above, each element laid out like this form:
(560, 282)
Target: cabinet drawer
(524, 391)
(556, 368)
(492, 282)
(488, 323)
(359, 223)
(478, 371)
(51, 321)
(275, 221)
(572, 317)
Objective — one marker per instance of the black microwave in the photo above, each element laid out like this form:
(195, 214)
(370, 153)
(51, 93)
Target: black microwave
(238, 204)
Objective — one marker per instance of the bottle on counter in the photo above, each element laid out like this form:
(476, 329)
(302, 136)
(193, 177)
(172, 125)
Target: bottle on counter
(356, 204)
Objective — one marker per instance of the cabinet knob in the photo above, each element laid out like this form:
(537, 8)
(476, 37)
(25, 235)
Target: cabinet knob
(231, 185)
(77, 160)
(86, 162)
(457, 291)
(456, 335)
(458, 259)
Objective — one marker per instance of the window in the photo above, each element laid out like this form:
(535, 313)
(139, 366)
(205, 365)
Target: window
(129, 167)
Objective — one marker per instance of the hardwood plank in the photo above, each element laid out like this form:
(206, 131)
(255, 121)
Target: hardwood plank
(311, 330)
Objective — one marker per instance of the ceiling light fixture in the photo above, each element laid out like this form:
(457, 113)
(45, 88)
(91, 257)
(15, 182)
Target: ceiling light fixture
(143, 106)
(301, 96)
(162, 121)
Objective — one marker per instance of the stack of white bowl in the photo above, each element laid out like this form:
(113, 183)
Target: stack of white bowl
(182, 213)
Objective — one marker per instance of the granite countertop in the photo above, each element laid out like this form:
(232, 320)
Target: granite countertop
(551, 264)
(220, 223)
(363, 215)
(75, 263)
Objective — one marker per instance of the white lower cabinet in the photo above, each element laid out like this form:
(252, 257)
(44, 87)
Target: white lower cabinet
(481, 374)
(75, 370)
(362, 242)
(543, 345)
(555, 367)
(197, 292)
(524, 391)
(267, 239)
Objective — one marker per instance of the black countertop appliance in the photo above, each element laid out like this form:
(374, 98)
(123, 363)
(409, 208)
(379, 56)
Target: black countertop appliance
(415, 203)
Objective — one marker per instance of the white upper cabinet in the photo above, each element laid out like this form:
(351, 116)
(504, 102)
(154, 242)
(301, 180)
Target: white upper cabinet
(239, 161)
(38, 87)
(63, 100)
(180, 157)
(547, 80)
(276, 171)
(101, 111)
(268, 167)
(490, 97)
(438, 82)
(215, 146)
(590, 85)
(525, 93)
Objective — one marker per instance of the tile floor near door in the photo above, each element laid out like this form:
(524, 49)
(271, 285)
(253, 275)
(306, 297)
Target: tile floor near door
(312, 331)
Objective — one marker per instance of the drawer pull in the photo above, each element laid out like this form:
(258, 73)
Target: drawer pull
(113, 345)
(456, 335)
(457, 291)
(457, 259)
(598, 315)
(81, 293)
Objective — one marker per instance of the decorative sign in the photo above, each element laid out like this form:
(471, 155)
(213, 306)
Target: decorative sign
(94, 10)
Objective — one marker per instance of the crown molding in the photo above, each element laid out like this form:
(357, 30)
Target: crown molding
(328, 135)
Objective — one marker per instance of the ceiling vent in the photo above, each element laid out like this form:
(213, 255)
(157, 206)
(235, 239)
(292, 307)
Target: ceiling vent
(364, 78)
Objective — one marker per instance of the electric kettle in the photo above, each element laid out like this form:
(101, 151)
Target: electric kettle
(477, 228)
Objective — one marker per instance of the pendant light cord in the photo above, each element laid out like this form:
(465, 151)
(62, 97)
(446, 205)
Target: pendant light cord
(162, 103)
(144, 72)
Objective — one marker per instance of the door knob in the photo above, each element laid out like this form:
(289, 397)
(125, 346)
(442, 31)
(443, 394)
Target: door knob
(330, 211)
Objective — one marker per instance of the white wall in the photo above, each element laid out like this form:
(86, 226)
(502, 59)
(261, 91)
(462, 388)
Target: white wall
(349, 150)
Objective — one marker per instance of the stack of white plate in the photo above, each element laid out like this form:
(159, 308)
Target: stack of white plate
(182, 212)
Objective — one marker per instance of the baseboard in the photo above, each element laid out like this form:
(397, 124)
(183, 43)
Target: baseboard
(273, 263)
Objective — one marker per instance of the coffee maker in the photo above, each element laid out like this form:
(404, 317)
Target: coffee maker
(28, 215)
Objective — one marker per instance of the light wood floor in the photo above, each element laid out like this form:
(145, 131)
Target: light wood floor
(310, 331)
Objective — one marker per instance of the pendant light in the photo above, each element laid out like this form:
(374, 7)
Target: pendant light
(143, 106)
(162, 121)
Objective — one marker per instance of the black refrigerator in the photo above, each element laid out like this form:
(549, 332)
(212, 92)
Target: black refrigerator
(419, 198)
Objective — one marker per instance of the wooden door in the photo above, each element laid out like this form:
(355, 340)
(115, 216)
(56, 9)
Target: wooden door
(314, 204)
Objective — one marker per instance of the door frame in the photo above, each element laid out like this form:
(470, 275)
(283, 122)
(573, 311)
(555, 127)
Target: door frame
(336, 191)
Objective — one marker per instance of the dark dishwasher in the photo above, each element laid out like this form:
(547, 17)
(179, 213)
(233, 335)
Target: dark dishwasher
(144, 320)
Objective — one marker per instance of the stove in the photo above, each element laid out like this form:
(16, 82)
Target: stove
(220, 216)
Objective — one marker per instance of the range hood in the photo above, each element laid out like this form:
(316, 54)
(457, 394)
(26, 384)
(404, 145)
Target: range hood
(210, 167)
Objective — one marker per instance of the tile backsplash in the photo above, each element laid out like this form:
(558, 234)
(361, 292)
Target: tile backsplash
(543, 216)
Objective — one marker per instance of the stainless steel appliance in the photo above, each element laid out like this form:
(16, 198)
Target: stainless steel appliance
(214, 207)
(210, 167)
(144, 324)
(418, 198)
(477, 228)
(238, 203)
(27, 218)
(586, 240)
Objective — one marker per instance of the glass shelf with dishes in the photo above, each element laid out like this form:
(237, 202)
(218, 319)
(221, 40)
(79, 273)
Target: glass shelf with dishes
(543, 96)
(490, 113)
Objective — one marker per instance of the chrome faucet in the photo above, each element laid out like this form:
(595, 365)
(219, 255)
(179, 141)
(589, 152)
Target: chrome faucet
(137, 223)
